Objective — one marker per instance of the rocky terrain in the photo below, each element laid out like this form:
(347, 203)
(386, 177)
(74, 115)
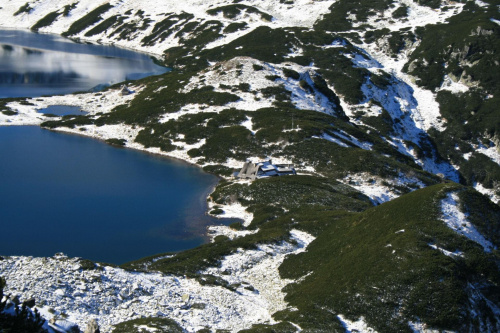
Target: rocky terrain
(389, 111)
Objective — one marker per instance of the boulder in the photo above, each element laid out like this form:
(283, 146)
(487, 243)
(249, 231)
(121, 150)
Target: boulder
(16, 300)
(30, 302)
(92, 327)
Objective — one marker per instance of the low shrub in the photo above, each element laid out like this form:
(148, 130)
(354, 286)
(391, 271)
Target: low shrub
(46, 21)
(91, 18)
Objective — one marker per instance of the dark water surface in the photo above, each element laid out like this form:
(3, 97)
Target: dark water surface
(71, 194)
(39, 64)
(62, 110)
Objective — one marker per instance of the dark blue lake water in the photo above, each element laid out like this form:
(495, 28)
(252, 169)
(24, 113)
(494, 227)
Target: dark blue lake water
(71, 194)
(40, 64)
(65, 193)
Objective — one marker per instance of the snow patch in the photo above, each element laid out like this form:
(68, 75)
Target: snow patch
(466, 156)
(239, 76)
(331, 139)
(491, 152)
(417, 16)
(381, 190)
(92, 103)
(258, 269)
(447, 253)
(222, 230)
(454, 87)
(481, 3)
(491, 193)
(249, 125)
(363, 145)
(457, 220)
(234, 210)
(364, 62)
(359, 326)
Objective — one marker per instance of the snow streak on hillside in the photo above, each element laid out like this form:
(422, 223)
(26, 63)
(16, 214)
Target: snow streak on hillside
(457, 220)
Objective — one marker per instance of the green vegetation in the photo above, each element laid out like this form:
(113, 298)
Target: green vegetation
(457, 42)
(9, 112)
(283, 327)
(68, 121)
(430, 3)
(103, 26)
(293, 193)
(482, 213)
(46, 21)
(338, 18)
(86, 264)
(205, 33)
(91, 18)
(50, 18)
(125, 31)
(116, 142)
(291, 73)
(255, 44)
(469, 47)
(164, 28)
(69, 8)
(401, 12)
(232, 11)
(318, 201)
(378, 264)
(144, 109)
(235, 26)
(160, 325)
(216, 211)
(26, 8)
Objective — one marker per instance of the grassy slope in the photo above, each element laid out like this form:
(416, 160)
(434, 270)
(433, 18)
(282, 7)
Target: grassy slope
(277, 205)
(364, 265)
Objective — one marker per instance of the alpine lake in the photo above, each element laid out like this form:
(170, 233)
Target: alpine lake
(77, 195)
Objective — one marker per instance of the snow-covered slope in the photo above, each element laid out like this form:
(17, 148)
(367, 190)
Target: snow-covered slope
(66, 290)
(141, 16)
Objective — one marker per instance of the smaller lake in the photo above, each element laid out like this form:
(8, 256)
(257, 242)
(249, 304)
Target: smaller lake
(62, 110)
(71, 194)
(37, 64)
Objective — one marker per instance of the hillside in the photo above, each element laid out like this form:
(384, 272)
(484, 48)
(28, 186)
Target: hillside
(388, 111)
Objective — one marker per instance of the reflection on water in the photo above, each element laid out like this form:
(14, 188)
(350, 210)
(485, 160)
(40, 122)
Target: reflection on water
(34, 65)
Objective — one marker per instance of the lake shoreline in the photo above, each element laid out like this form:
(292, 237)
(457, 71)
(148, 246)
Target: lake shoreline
(88, 41)
(109, 99)
(231, 212)
(94, 103)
